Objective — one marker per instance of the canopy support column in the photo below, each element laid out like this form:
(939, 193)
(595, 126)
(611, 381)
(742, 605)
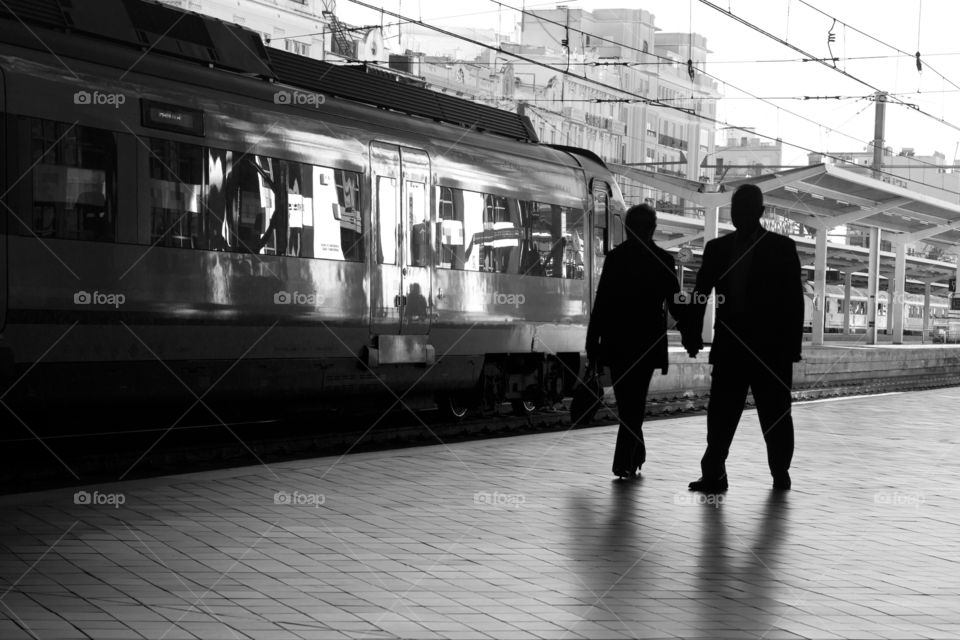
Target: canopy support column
(819, 287)
(897, 291)
(711, 229)
(873, 284)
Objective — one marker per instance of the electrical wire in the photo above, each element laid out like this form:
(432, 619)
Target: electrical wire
(887, 44)
(762, 31)
(675, 62)
(639, 98)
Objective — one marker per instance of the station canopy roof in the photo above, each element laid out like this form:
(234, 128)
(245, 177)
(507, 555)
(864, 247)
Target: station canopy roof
(827, 196)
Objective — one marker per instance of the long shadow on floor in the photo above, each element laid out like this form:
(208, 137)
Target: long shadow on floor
(737, 581)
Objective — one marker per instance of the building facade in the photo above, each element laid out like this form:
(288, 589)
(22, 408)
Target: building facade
(652, 121)
(305, 27)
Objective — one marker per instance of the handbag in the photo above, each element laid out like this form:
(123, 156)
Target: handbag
(587, 398)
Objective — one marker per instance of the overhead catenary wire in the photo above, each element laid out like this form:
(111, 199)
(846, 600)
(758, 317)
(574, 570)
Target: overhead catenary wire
(671, 61)
(638, 97)
(762, 31)
(887, 44)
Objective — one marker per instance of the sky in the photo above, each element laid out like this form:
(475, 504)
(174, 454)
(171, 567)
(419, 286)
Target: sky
(924, 112)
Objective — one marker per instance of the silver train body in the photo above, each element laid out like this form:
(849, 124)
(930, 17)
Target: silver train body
(912, 311)
(171, 225)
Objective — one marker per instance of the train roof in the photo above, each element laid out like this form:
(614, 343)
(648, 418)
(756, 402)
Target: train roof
(157, 28)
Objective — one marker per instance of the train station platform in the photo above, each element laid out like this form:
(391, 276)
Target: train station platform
(842, 366)
(515, 538)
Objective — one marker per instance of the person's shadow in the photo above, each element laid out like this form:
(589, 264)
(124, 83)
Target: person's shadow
(612, 555)
(737, 576)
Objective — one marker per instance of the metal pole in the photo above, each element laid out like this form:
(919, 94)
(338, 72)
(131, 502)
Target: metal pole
(897, 294)
(878, 127)
(873, 284)
(819, 288)
(711, 229)
(847, 284)
(873, 278)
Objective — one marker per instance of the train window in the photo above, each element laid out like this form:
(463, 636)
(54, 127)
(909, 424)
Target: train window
(245, 196)
(600, 232)
(573, 249)
(348, 208)
(417, 216)
(552, 242)
(74, 176)
(473, 229)
(388, 197)
(499, 242)
(176, 180)
(450, 233)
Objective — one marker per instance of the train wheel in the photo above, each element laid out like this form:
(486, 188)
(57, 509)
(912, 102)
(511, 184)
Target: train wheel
(452, 406)
(523, 407)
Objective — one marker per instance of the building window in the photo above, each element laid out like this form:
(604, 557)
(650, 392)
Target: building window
(297, 47)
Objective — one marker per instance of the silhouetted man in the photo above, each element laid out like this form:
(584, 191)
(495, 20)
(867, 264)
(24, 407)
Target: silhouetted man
(627, 329)
(757, 337)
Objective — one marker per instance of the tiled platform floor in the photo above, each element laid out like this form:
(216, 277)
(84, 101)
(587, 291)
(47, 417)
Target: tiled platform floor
(525, 537)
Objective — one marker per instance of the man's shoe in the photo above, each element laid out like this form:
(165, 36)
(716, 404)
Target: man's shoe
(705, 486)
(781, 481)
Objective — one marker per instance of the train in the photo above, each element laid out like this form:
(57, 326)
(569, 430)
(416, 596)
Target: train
(937, 323)
(190, 215)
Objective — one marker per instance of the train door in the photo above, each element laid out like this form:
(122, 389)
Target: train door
(400, 290)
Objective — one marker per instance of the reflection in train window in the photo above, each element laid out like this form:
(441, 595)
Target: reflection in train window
(388, 196)
(176, 182)
(256, 204)
(418, 215)
(450, 233)
(499, 242)
(552, 241)
(74, 176)
(459, 220)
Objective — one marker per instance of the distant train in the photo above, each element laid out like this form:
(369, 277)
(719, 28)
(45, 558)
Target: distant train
(184, 209)
(912, 311)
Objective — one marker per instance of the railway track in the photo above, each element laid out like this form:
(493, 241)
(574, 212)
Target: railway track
(212, 444)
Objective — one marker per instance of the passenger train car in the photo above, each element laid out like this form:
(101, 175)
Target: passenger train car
(186, 209)
(912, 311)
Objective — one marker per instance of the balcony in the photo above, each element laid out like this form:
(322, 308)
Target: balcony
(670, 141)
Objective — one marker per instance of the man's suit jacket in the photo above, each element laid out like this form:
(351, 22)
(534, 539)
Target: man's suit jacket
(773, 299)
(628, 323)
